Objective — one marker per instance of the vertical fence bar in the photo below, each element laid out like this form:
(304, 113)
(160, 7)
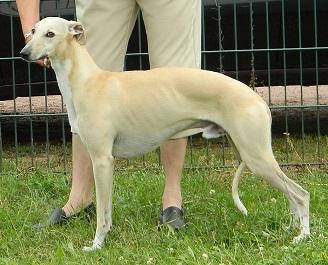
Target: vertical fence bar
(235, 35)
(46, 117)
(203, 44)
(31, 119)
(251, 24)
(14, 83)
(285, 73)
(139, 41)
(317, 78)
(267, 26)
(301, 75)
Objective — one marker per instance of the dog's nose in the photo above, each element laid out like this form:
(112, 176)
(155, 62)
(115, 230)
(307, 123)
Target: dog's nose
(24, 54)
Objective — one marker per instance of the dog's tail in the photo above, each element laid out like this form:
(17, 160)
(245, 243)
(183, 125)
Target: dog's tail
(235, 194)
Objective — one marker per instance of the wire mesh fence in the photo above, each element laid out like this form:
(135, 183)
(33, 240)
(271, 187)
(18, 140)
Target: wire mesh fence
(277, 47)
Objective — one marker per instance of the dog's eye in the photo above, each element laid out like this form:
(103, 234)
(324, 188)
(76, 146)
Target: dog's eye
(32, 31)
(50, 34)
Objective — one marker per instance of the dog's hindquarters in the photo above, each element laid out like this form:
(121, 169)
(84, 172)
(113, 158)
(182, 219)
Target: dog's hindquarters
(252, 139)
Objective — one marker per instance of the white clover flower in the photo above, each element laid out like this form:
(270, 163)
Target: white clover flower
(265, 234)
(322, 236)
(205, 256)
(212, 191)
(150, 261)
(273, 200)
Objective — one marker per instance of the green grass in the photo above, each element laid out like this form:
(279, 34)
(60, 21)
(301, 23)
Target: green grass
(217, 234)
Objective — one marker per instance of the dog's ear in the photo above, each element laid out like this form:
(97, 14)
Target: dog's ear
(77, 29)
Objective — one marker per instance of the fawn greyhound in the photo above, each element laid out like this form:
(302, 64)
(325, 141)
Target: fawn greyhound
(131, 113)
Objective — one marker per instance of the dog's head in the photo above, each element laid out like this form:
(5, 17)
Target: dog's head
(51, 37)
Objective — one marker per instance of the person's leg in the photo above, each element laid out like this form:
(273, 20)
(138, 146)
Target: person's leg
(108, 25)
(172, 155)
(173, 31)
(82, 178)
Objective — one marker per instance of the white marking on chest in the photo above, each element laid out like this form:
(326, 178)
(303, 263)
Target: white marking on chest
(62, 69)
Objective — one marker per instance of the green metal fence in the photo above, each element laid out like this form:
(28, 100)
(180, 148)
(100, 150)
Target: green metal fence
(277, 47)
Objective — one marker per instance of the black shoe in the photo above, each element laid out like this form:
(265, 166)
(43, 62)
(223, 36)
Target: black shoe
(58, 217)
(173, 217)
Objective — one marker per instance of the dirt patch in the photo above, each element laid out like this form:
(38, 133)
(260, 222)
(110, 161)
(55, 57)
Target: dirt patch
(302, 113)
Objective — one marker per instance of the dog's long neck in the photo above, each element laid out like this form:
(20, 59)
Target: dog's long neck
(73, 68)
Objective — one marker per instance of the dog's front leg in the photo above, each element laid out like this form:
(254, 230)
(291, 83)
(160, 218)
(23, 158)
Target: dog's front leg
(103, 169)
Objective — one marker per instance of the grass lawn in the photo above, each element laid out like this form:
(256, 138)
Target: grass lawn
(217, 234)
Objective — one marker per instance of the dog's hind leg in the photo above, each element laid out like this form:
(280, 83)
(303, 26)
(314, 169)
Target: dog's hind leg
(103, 168)
(252, 138)
(268, 169)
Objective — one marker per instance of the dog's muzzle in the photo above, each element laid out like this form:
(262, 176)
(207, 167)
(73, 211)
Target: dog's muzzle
(26, 55)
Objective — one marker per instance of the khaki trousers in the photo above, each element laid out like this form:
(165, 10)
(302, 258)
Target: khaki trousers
(172, 27)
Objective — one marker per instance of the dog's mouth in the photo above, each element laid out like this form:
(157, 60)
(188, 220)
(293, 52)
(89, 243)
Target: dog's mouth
(42, 57)
(27, 57)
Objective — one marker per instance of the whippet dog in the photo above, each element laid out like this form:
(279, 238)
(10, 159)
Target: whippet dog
(131, 113)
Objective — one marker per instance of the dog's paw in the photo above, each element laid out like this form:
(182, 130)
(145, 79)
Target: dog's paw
(92, 248)
(95, 246)
(300, 238)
